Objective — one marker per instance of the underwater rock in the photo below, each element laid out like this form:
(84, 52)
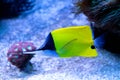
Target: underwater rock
(16, 57)
(105, 14)
(14, 8)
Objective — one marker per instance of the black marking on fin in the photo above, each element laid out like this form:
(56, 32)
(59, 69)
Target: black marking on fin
(92, 47)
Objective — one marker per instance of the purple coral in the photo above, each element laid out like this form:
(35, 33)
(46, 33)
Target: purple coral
(16, 57)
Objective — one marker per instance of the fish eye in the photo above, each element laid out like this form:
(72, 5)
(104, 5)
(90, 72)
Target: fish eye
(92, 47)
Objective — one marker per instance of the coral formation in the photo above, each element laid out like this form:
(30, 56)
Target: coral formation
(106, 17)
(16, 57)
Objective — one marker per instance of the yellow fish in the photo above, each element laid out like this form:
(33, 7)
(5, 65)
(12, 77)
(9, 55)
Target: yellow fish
(71, 41)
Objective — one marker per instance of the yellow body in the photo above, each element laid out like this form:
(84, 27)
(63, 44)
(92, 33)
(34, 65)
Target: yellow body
(74, 41)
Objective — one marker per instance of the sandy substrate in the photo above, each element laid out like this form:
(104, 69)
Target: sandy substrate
(52, 14)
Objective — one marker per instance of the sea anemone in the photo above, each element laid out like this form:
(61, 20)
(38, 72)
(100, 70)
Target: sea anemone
(16, 57)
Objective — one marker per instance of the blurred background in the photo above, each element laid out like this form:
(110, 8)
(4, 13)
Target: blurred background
(32, 21)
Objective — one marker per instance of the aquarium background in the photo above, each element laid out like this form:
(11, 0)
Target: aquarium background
(34, 26)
